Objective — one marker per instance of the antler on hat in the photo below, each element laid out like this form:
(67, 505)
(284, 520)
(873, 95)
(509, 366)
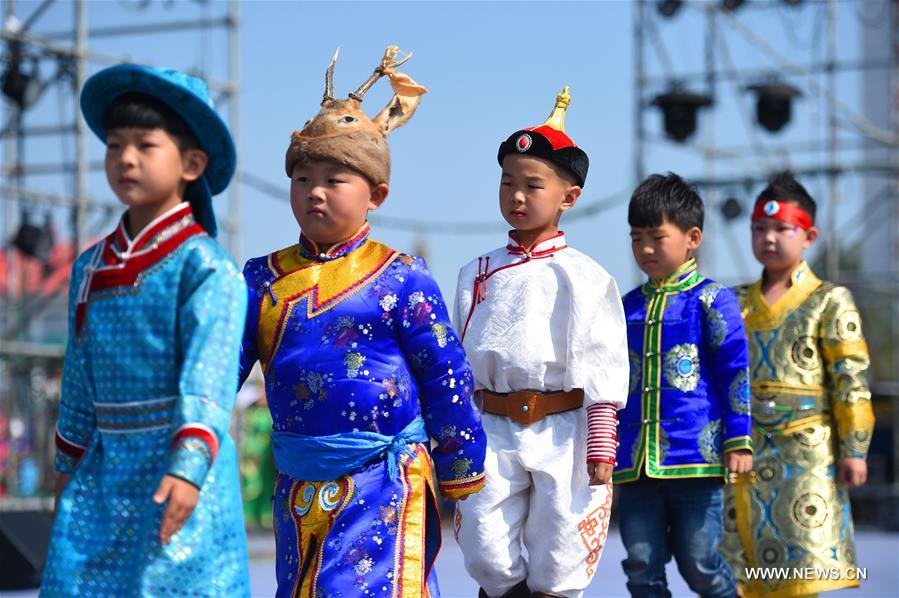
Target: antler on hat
(341, 131)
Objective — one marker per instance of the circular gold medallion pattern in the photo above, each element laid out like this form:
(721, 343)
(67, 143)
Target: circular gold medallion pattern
(810, 510)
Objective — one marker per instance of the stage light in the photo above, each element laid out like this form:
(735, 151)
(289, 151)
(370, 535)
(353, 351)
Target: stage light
(731, 208)
(732, 5)
(19, 85)
(33, 240)
(774, 104)
(668, 8)
(679, 109)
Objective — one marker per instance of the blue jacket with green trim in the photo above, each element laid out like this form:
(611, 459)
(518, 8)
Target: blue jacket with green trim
(688, 401)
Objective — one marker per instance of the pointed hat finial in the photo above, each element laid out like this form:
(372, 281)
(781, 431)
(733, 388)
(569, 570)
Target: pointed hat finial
(556, 118)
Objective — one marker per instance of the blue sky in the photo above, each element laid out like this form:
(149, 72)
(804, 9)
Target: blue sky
(491, 68)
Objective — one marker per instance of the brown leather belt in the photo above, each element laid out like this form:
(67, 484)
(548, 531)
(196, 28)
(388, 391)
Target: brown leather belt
(526, 407)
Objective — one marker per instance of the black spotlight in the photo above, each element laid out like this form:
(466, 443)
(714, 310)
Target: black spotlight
(679, 108)
(33, 240)
(732, 5)
(19, 85)
(731, 208)
(793, 2)
(774, 104)
(668, 8)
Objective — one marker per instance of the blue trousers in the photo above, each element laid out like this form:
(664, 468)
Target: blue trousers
(680, 517)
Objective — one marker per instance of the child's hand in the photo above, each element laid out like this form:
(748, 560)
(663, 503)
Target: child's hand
(853, 472)
(182, 497)
(600, 473)
(738, 461)
(61, 480)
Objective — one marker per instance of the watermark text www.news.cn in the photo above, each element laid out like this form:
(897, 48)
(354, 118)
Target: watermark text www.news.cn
(806, 573)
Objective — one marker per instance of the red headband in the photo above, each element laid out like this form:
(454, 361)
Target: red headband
(783, 211)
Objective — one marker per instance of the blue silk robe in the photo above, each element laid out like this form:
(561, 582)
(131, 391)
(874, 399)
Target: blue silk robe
(357, 339)
(147, 390)
(688, 401)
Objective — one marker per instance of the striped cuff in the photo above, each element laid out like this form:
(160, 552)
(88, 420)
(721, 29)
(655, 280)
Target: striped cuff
(194, 448)
(68, 453)
(737, 443)
(602, 433)
(456, 489)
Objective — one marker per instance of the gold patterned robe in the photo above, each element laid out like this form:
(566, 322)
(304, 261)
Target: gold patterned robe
(811, 407)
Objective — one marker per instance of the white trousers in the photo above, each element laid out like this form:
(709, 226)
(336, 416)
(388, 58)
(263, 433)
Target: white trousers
(537, 498)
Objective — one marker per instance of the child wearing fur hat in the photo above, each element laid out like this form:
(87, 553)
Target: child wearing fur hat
(148, 501)
(362, 369)
(543, 326)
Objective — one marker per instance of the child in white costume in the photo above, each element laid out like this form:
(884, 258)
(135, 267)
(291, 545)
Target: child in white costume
(544, 330)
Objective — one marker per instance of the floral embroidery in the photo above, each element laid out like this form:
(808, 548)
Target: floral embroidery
(439, 330)
(353, 362)
(312, 386)
(388, 302)
(461, 467)
(342, 332)
(448, 441)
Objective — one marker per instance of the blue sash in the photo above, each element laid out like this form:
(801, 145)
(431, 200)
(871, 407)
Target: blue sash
(322, 458)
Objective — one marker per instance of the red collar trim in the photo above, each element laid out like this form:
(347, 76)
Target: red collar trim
(543, 248)
(112, 269)
(783, 211)
(160, 227)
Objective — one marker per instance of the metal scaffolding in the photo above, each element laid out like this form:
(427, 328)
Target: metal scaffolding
(851, 147)
(35, 152)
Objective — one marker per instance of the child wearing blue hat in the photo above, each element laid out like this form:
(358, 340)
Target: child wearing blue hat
(148, 500)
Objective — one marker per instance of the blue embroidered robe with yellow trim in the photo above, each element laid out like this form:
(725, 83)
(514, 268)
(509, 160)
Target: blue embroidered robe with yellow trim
(688, 401)
(148, 385)
(811, 407)
(358, 339)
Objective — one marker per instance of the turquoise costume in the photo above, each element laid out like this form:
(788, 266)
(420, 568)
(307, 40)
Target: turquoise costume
(148, 386)
(149, 383)
(688, 401)
(361, 368)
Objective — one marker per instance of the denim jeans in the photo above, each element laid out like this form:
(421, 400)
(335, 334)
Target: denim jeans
(680, 517)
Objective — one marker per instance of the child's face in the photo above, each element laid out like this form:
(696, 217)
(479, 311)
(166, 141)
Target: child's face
(661, 250)
(146, 168)
(330, 201)
(532, 196)
(779, 245)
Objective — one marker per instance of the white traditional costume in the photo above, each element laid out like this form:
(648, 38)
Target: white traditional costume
(544, 330)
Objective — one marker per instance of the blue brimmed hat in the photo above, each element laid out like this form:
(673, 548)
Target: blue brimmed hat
(189, 98)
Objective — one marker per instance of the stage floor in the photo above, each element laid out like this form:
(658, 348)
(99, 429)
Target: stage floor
(877, 551)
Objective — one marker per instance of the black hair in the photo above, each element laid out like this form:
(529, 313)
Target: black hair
(783, 186)
(141, 111)
(663, 197)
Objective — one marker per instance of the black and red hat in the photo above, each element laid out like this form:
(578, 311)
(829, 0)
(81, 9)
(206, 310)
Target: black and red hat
(549, 141)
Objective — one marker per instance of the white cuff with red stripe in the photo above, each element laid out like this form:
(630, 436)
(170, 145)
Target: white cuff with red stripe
(602, 433)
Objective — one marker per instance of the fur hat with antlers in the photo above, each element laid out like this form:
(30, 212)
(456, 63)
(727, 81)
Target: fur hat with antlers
(550, 142)
(342, 133)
